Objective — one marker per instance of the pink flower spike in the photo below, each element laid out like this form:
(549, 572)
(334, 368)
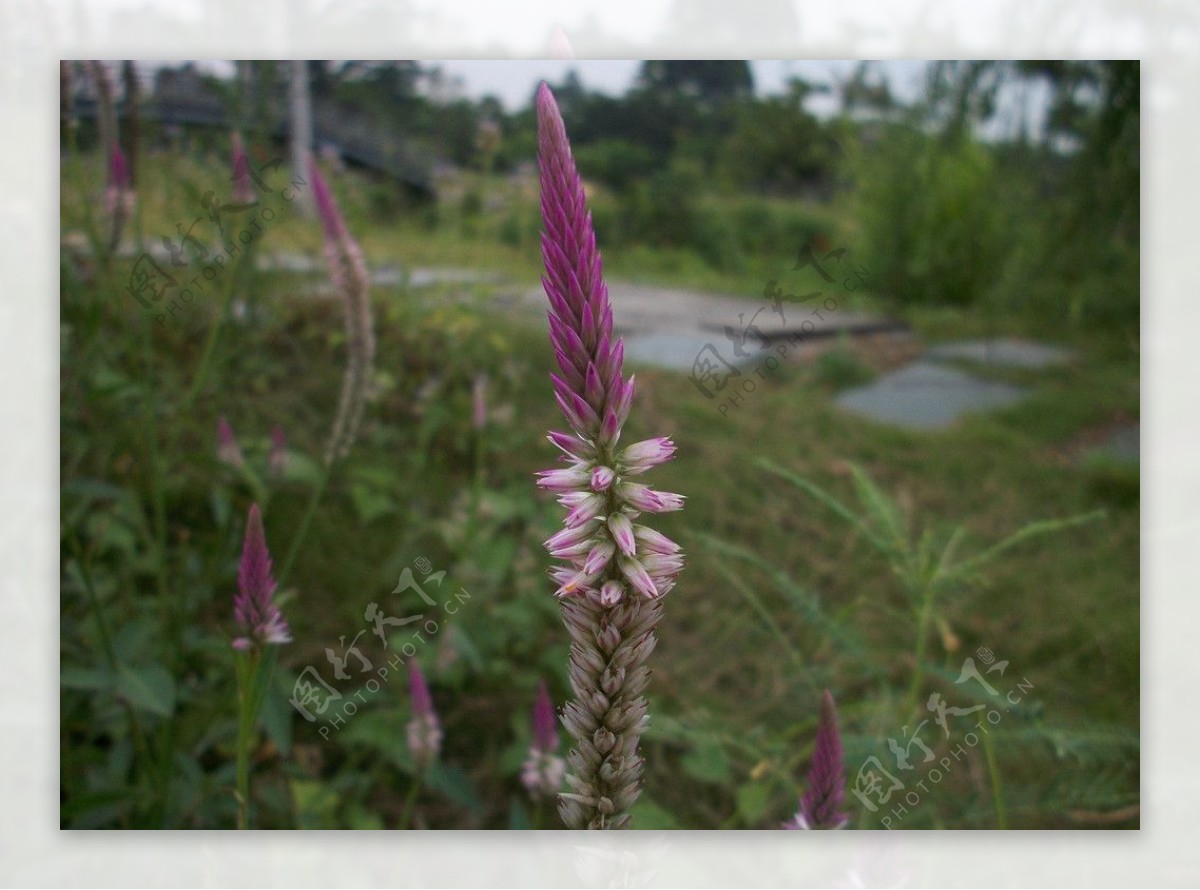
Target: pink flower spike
(821, 806)
(612, 631)
(542, 772)
(479, 412)
(327, 208)
(278, 458)
(253, 608)
(621, 530)
(228, 451)
(424, 729)
(545, 726)
(118, 169)
(243, 192)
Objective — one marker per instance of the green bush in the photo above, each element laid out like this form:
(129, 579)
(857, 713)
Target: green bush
(936, 217)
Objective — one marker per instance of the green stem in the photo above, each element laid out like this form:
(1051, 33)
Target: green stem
(245, 731)
(210, 342)
(997, 788)
(159, 525)
(253, 671)
(410, 803)
(305, 522)
(918, 675)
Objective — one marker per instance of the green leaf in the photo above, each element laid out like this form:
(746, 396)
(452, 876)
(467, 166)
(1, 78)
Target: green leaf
(277, 715)
(752, 800)
(85, 678)
(707, 762)
(518, 819)
(370, 503)
(149, 689)
(649, 816)
(316, 804)
(452, 782)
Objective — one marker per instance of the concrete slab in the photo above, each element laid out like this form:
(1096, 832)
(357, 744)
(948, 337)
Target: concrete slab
(1005, 353)
(1123, 445)
(925, 396)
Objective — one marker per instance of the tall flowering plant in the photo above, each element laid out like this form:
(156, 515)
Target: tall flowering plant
(263, 628)
(614, 570)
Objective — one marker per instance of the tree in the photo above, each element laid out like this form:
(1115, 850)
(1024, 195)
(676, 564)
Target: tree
(711, 82)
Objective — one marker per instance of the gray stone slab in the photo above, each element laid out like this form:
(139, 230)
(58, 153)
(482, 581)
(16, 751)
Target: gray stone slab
(1124, 444)
(641, 308)
(1004, 353)
(926, 396)
(661, 349)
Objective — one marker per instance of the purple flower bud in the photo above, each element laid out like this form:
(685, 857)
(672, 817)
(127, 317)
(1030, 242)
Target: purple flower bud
(278, 458)
(327, 208)
(572, 446)
(542, 772)
(821, 806)
(253, 608)
(641, 456)
(570, 479)
(602, 478)
(611, 593)
(424, 730)
(545, 725)
(621, 530)
(637, 576)
(653, 541)
(479, 410)
(646, 499)
(228, 451)
(598, 558)
(243, 191)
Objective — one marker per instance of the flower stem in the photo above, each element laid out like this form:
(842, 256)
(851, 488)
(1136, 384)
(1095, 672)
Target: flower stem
(410, 803)
(997, 787)
(305, 522)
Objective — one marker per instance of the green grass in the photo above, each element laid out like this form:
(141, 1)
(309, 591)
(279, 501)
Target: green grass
(780, 597)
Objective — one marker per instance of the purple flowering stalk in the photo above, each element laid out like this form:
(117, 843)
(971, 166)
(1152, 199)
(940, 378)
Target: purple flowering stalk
(228, 450)
(348, 271)
(424, 736)
(424, 729)
(615, 571)
(243, 191)
(821, 805)
(277, 461)
(120, 200)
(263, 628)
(542, 773)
